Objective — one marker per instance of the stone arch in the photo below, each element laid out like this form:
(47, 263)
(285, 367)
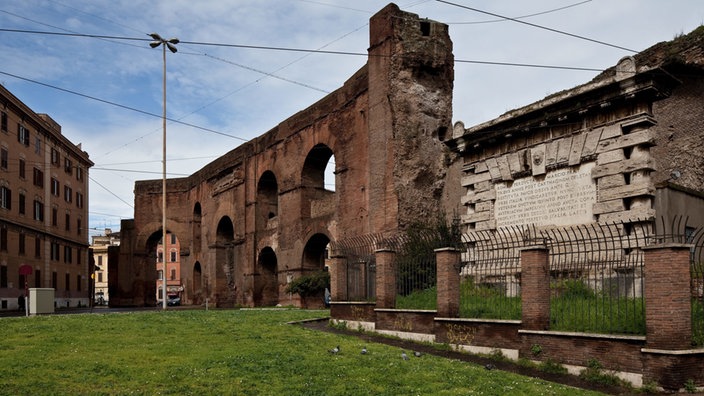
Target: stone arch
(196, 230)
(197, 285)
(267, 200)
(315, 252)
(313, 172)
(266, 285)
(225, 262)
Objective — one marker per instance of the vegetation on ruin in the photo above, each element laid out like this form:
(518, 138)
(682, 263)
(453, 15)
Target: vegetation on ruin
(310, 285)
(234, 352)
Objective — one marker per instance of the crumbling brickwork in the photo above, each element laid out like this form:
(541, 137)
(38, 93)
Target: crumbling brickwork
(260, 215)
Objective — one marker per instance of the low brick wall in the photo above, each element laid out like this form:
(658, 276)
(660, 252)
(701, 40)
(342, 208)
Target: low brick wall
(403, 320)
(357, 311)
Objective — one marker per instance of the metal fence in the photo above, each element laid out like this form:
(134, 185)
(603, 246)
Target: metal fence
(360, 265)
(491, 275)
(597, 277)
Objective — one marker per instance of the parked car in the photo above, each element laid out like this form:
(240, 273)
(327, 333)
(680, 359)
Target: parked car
(173, 300)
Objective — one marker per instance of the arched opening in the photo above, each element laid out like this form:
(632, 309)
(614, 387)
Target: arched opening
(314, 166)
(266, 285)
(196, 228)
(318, 182)
(197, 284)
(225, 262)
(267, 199)
(315, 252)
(167, 265)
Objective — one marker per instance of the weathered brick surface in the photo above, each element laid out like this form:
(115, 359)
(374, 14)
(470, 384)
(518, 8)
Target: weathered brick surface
(668, 308)
(406, 321)
(535, 288)
(267, 195)
(448, 282)
(356, 311)
(385, 279)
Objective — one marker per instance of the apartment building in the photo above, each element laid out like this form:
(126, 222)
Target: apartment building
(43, 207)
(99, 247)
(170, 263)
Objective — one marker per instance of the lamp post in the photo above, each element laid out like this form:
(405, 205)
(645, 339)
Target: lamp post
(171, 45)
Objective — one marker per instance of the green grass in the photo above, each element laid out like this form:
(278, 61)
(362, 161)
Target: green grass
(418, 299)
(233, 352)
(597, 314)
(697, 322)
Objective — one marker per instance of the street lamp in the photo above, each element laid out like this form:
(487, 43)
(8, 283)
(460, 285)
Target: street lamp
(171, 45)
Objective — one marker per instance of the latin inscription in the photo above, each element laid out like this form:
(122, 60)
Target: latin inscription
(563, 197)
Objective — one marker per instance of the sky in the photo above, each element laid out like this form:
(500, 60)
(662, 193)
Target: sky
(106, 91)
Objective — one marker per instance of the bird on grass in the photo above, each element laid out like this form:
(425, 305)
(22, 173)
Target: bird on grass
(335, 350)
(417, 354)
(364, 350)
(489, 366)
(403, 355)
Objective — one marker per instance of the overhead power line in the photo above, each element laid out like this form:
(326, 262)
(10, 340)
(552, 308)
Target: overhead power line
(537, 26)
(121, 105)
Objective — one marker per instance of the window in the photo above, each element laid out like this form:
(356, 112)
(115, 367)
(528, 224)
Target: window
(38, 178)
(3, 239)
(38, 145)
(173, 273)
(4, 155)
(68, 166)
(173, 256)
(21, 244)
(79, 174)
(37, 247)
(3, 276)
(173, 239)
(68, 222)
(23, 135)
(68, 194)
(100, 276)
(79, 200)
(68, 254)
(55, 157)
(21, 200)
(54, 217)
(54, 187)
(79, 225)
(5, 198)
(37, 278)
(22, 169)
(100, 261)
(68, 281)
(159, 275)
(55, 251)
(3, 122)
(38, 210)
(54, 280)
(160, 258)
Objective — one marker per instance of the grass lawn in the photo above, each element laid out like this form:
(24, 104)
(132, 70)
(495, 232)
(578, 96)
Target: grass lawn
(225, 352)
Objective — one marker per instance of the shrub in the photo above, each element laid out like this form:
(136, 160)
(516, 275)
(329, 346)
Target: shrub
(310, 285)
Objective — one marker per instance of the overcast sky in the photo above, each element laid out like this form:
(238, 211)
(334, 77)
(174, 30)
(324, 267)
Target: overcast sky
(100, 89)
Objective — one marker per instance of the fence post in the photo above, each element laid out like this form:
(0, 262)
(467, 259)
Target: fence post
(668, 305)
(338, 278)
(385, 278)
(448, 282)
(535, 288)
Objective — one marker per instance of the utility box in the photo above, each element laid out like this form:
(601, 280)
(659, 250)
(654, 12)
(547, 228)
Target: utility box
(41, 301)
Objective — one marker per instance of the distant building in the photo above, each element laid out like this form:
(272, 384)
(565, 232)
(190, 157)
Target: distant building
(173, 267)
(43, 207)
(99, 247)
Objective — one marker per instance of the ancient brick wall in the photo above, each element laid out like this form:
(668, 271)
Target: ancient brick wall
(260, 215)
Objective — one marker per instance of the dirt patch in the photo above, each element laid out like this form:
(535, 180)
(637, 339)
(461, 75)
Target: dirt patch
(565, 379)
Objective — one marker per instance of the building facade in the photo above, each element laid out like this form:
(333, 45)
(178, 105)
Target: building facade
(260, 216)
(99, 248)
(43, 207)
(168, 266)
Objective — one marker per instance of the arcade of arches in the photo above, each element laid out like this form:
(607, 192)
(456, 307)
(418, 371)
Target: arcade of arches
(263, 214)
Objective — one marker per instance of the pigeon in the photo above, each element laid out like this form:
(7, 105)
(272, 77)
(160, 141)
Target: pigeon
(335, 350)
(489, 366)
(417, 354)
(364, 351)
(403, 355)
